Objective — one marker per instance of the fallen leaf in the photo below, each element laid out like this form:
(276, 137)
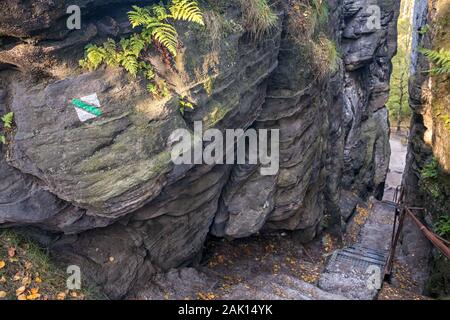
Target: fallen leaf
(2, 294)
(2, 264)
(20, 291)
(2, 279)
(26, 281)
(28, 265)
(60, 296)
(22, 297)
(33, 296)
(34, 290)
(11, 252)
(38, 280)
(111, 259)
(16, 277)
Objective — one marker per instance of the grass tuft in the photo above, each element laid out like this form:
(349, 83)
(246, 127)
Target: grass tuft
(259, 17)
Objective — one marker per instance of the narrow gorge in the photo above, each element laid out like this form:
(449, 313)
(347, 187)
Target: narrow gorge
(104, 194)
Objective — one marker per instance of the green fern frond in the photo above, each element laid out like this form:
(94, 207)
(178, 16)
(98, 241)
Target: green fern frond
(94, 56)
(130, 63)
(440, 58)
(139, 16)
(137, 44)
(187, 10)
(152, 88)
(147, 70)
(159, 89)
(8, 120)
(111, 56)
(156, 24)
(160, 12)
(167, 35)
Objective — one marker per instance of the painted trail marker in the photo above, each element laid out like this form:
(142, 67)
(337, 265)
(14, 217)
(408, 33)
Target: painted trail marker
(87, 107)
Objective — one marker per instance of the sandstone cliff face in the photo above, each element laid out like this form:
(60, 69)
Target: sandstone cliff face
(429, 136)
(107, 188)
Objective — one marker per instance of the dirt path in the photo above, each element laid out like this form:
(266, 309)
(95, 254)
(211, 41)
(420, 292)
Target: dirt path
(397, 164)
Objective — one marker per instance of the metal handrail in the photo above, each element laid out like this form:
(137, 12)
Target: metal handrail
(401, 211)
(431, 236)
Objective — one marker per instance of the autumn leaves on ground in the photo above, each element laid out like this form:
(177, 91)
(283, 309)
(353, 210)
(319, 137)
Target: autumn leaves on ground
(26, 272)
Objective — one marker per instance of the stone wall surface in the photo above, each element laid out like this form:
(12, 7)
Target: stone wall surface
(428, 144)
(104, 194)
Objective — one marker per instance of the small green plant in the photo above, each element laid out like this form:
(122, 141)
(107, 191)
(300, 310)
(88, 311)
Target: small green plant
(333, 55)
(185, 104)
(156, 23)
(423, 30)
(442, 226)
(429, 175)
(325, 56)
(159, 89)
(446, 119)
(7, 121)
(259, 17)
(321, 11)
(440, 59)
(430, 170)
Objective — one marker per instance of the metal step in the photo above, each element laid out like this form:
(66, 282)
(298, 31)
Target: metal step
(363, 258)
(375, 254)
(366, 256)
(357, 257)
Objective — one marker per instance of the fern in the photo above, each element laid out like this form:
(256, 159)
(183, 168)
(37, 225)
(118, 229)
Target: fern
(156, 23)
(160, 12)
(159, 89)
(131, 64)
(184, 103)
(139, 16)
(111, 56)
(137, 44)
(8, 120)
(443, 226)
(94, 56)
(430, 170)
(440, 58)
(147, 70)
(186, 10)
(166, 35)
(152, 88)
